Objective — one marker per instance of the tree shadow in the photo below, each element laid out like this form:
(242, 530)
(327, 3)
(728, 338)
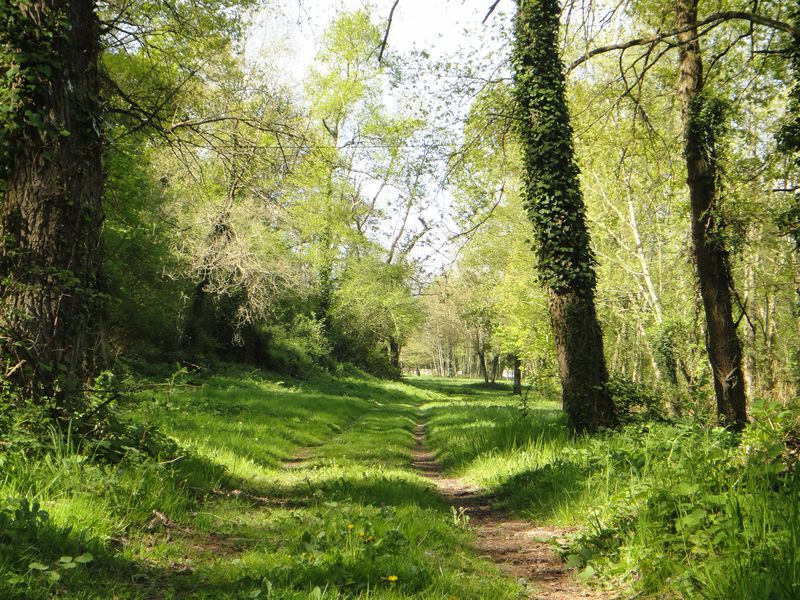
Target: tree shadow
(541, 494)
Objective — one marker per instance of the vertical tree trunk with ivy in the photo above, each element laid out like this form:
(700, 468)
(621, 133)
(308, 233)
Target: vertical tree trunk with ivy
(702, 120)
(554, 203)
(51, 210)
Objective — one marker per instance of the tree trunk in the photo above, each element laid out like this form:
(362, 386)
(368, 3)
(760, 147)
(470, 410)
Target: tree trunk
(701, 120)
(51, 210)
(579, 343)
(482, 366)
(554, 203)
(495, 366)
(394, 355)
(517, 390)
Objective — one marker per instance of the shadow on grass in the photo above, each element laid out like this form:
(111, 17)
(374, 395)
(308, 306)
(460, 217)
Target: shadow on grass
(541, 494)
(458, 387)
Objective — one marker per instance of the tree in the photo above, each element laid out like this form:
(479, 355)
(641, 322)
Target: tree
(554, 204)
(703, 120)
(51, 209)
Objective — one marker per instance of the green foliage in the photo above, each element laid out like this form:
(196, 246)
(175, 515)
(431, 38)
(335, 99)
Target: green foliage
(635, 403)
(552, 194)
(27, 44)
(663, 507)
(298, 350)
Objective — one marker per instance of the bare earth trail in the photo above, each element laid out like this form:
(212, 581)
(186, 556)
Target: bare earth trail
(517, 547)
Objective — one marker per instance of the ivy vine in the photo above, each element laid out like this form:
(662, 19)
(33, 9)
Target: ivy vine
(552, 194)
(789, 136)
(28, 57)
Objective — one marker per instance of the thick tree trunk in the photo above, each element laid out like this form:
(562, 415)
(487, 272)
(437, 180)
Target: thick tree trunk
(710, 254)
(495, 367)
(554, 203)
(579, 342)
(517, 389)
(51, 210)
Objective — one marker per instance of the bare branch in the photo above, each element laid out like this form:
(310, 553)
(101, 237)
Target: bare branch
(491, 10)
(386, 33)
(712, 21)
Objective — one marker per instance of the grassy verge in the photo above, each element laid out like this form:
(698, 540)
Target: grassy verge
(673, 509)
(218, 516)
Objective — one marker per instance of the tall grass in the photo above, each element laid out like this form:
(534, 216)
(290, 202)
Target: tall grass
(676, 509)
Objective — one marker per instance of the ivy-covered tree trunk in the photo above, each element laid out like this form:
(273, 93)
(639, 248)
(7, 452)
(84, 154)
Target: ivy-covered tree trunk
(517, 389)
(51, 210)
(554, 203)
(702, 119)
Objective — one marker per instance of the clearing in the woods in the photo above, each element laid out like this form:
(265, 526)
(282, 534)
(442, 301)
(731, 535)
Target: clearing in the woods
(348, 488)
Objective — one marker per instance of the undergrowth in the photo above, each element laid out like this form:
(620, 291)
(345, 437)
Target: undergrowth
(660, 507)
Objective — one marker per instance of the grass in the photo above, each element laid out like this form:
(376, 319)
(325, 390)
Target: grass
(225, 519)
(662, 509)
(670, 510)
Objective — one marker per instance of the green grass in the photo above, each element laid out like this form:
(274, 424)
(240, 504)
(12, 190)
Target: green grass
(675, 509)
(660, 510)
(224, 519)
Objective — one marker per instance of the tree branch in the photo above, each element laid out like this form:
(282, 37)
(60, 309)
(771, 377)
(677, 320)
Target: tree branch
(386, 33)
(713, 20)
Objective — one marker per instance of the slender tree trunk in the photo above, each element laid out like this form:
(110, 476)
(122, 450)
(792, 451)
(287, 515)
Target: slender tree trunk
(394, 355)
(554, 203)
(51, 210)
(495, 366)
(517, 389)
(482, 366)
(700, 122)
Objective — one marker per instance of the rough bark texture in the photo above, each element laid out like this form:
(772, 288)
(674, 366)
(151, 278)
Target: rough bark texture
(51, 210)
(495, 367)
(554, 203)
(579, 342)
(710, 254)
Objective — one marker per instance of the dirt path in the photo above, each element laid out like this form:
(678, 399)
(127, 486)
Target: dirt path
(519, 548)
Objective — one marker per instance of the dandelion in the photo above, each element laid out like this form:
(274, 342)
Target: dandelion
(391, 578)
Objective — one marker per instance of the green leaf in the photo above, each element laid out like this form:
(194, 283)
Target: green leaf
(84, 558)
(685, 488)
(37, 566)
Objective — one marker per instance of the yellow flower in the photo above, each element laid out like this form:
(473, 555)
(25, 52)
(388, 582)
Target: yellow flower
(350, 525)
(392, 578)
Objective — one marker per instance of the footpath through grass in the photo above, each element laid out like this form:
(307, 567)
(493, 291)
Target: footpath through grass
(659, 509)
(662, 509)
(225, 518)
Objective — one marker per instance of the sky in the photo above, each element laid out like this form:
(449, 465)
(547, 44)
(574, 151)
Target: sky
(445, 28)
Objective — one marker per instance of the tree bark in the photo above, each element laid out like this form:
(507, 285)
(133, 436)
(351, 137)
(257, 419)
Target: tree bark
(554, 202)
(710, 254)
(579, 344)
(495, 367)
(482, 366)
(51, 210)
(517, 389)
(394, 355)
